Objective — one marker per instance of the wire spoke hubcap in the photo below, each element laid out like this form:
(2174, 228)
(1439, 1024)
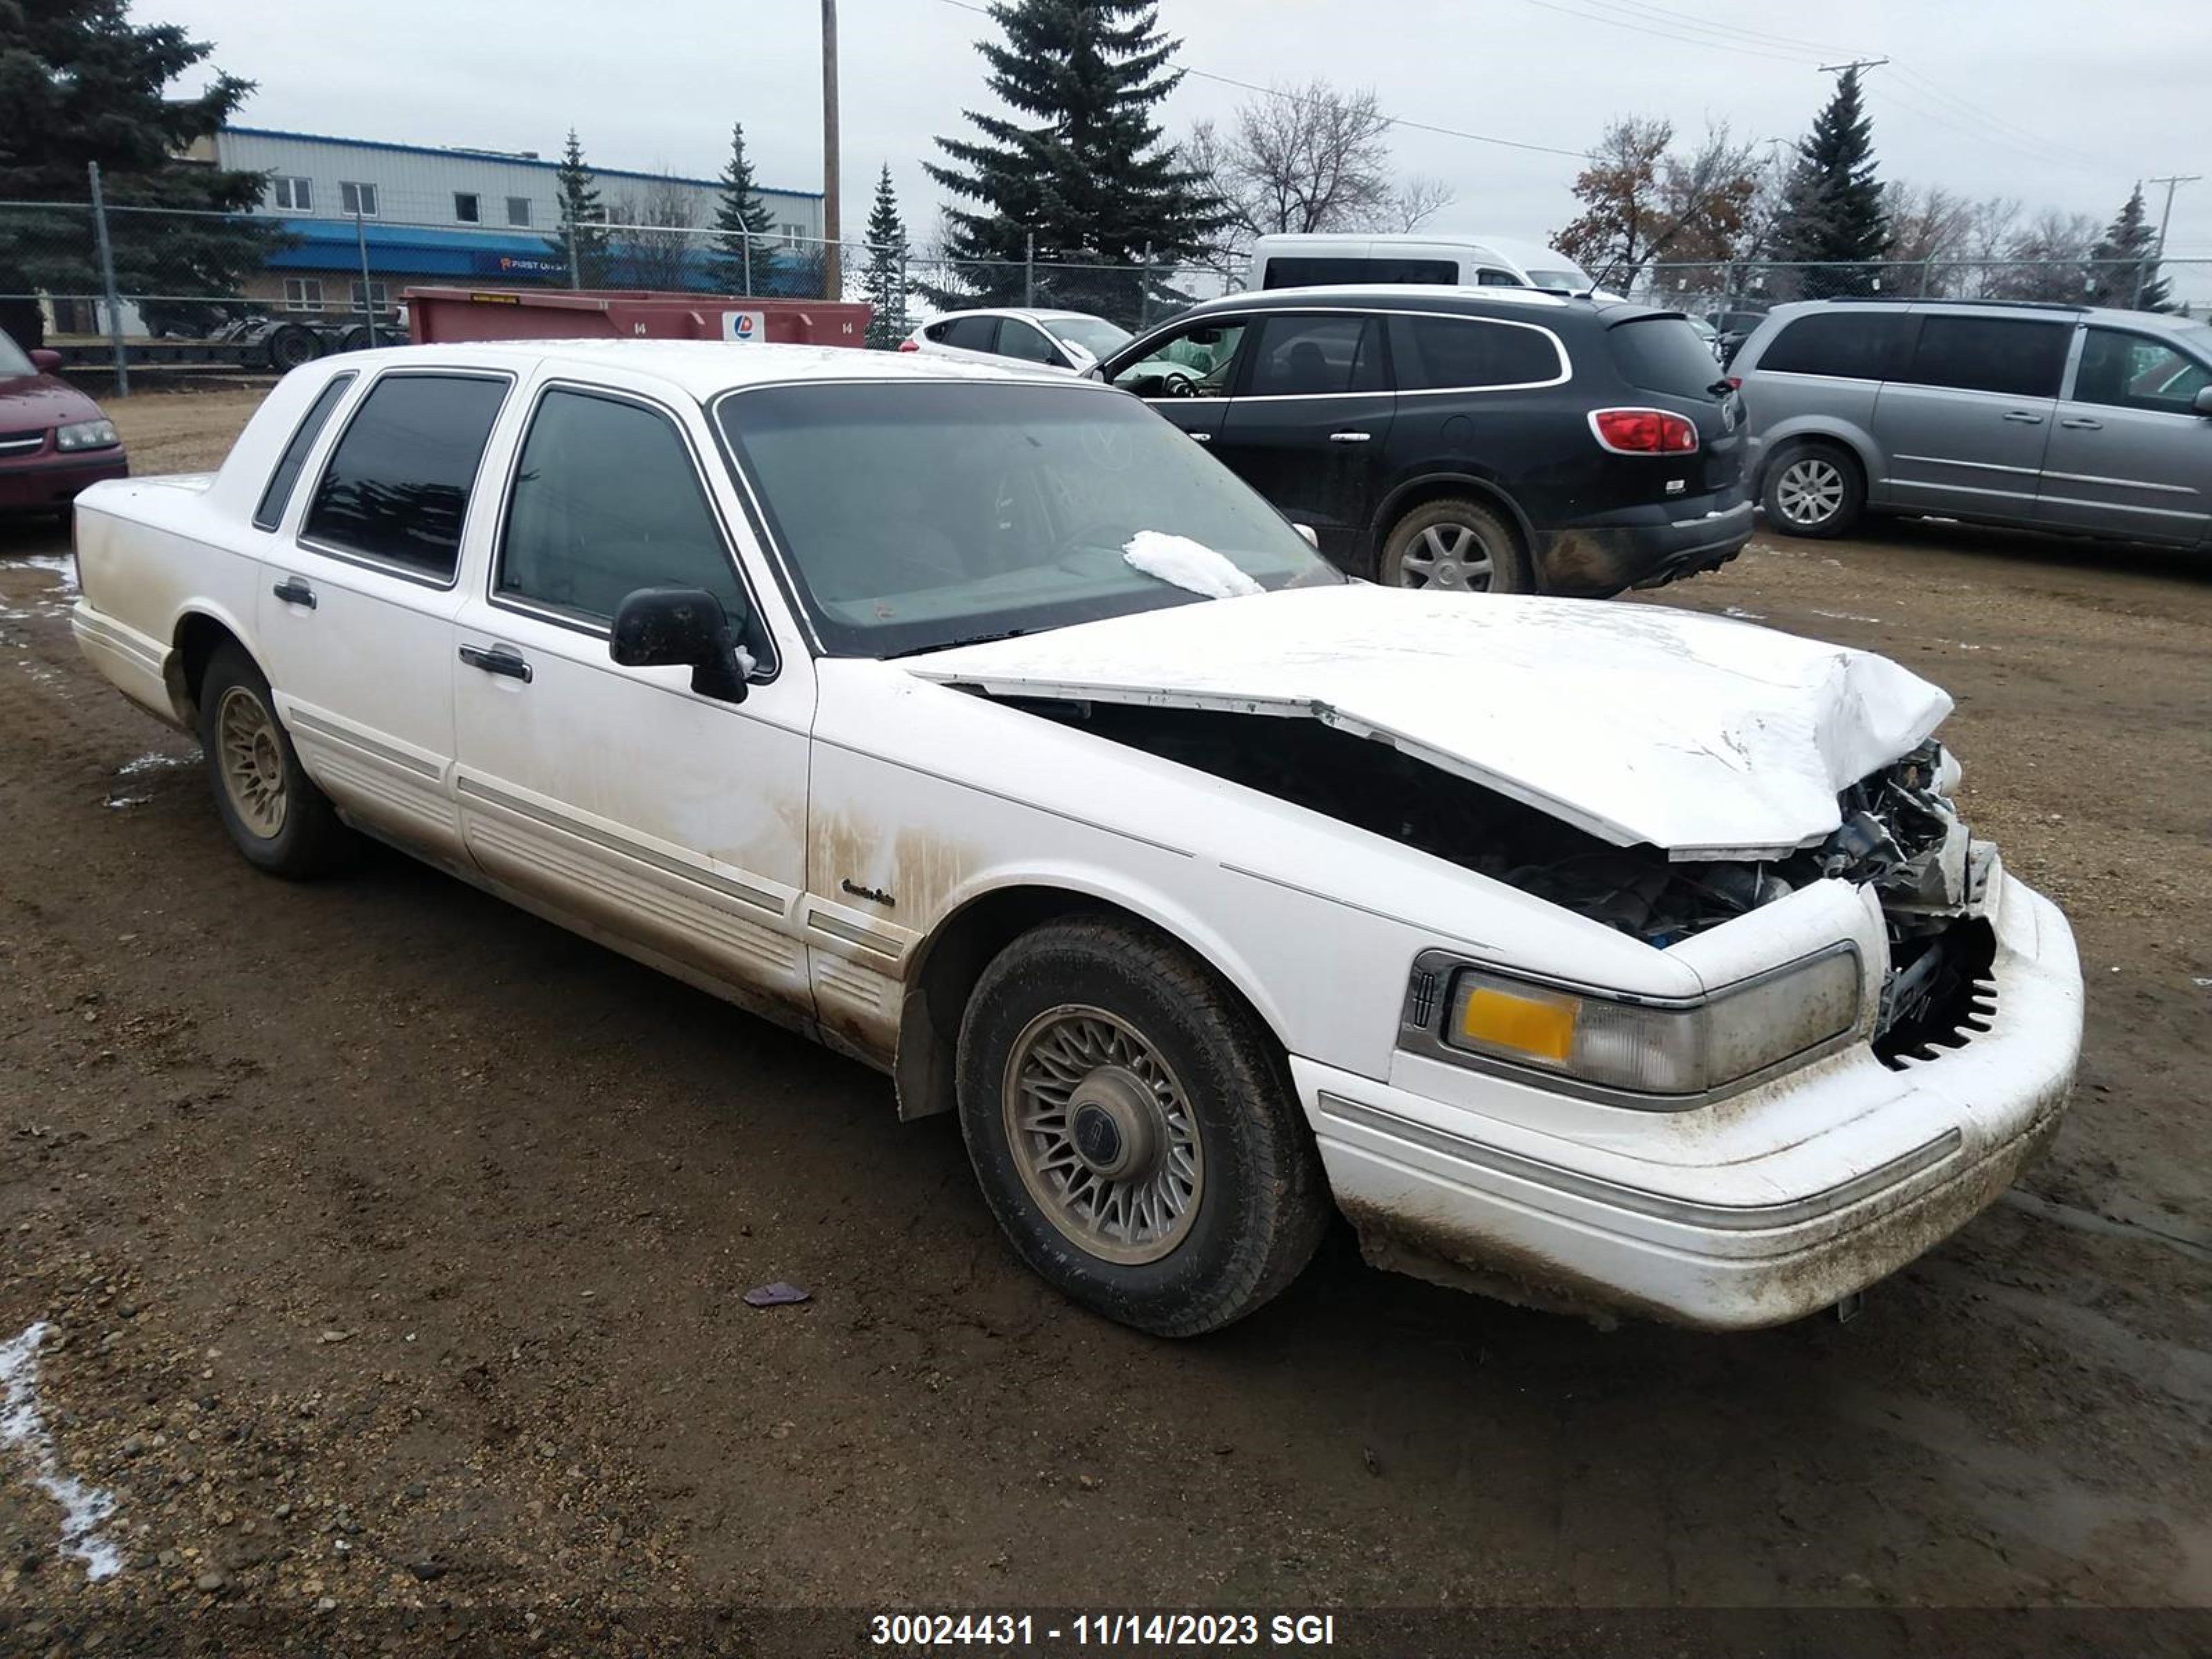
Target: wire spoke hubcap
(1449, 556)
(250, 760)
(1102, 1135)
(1809, 491)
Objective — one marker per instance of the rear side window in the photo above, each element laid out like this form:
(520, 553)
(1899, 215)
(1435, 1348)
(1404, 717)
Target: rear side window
(1663, 355)
(1329, 273)
(970, 333)
(278, 495)
(1315, 357)
(2020, 358)
(1845, 345)
(397, 489)
(1438, 354)
(606, 501)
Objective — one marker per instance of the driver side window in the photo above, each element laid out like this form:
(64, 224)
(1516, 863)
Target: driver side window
(1198, 361)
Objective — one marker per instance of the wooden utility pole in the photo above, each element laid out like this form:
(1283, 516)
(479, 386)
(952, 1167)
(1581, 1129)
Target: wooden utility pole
(832, 276)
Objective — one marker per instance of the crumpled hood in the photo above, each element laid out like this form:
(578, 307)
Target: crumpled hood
(1708, 737)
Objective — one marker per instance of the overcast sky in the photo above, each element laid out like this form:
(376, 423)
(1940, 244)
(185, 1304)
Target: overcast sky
(2059, 103)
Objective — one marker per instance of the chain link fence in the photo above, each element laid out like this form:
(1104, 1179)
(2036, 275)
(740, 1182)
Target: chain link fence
(108, 281)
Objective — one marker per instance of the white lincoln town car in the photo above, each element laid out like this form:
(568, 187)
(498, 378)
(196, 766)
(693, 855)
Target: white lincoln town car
(976, 722)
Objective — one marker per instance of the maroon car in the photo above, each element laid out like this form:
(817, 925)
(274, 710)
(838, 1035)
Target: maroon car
(53, 439)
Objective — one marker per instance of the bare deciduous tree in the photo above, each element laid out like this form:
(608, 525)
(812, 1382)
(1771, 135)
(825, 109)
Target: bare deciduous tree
(654, 237)
(1931, 230)
(1418, 200)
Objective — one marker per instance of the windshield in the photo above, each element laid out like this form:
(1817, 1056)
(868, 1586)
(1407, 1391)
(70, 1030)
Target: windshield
(916, 516)
(1565, 277)
(12, 359)
(1094, 334)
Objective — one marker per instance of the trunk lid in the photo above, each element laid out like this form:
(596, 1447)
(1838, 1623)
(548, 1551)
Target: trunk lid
(1707, 737)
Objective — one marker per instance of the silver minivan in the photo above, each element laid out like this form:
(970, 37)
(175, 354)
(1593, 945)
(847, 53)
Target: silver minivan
(2058, 417)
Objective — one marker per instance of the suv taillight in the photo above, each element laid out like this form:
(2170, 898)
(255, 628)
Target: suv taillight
(1644, 431)
(909, 345)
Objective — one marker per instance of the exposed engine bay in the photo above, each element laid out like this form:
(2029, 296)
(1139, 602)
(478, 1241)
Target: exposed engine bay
(1899, 835)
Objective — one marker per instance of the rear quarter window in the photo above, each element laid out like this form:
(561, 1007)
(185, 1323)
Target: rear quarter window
(278, 494)
(1848, 345)
(1440, 354)
(1663, 355)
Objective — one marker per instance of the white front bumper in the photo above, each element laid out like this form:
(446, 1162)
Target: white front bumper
(1706, 1218)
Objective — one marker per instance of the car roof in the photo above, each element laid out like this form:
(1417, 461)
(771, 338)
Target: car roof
(1035, 315)
(1932, 306)
(1427, 296)
(706, 367)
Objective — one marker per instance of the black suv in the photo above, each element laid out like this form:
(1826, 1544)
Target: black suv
(1492, 439)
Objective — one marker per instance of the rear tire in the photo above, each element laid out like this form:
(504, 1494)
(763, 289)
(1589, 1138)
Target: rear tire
(1812, 490)
(1456, 546)
(276, 815)
(1133, 1128)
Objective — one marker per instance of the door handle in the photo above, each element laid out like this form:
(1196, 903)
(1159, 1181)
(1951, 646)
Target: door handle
(1201, 437)
(2082, 423)
(2024, 417)
(292, 591)
(1351, 437)
(497, 659)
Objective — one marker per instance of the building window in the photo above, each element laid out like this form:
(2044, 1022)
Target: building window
(379, 295)
(792, 234)
(303, 293)
(292, 195)
(518, 210)
(358, 199)
(468, 207)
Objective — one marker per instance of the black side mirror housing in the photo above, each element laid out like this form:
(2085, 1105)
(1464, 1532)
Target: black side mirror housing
(680, 627)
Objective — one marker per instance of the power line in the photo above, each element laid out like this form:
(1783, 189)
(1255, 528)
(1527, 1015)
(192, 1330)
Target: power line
(1668, 34)
(1388, 119)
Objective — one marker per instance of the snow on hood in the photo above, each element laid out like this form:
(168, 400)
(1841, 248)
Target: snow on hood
(1708, 737)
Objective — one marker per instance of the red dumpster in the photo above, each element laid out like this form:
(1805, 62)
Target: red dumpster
(447, 314)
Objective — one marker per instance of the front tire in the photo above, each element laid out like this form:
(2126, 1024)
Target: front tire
(276, 815)
(1456, 546)
(1133, 1129)
(1812, 490)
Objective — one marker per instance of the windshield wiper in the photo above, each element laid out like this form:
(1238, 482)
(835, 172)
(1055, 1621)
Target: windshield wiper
(954, 645)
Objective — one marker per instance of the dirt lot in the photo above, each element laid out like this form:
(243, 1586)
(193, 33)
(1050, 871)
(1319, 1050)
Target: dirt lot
(392, 1241)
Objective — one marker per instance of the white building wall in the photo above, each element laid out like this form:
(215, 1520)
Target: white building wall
(417, 185)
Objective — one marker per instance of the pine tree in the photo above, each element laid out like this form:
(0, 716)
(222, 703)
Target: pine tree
(79, 82)
(1832, 211)
(1082, 168)
(746, 229)
(2123, 267)
(884, 281)
(580, 244)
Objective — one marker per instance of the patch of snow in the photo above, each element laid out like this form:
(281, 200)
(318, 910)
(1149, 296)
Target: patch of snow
(62, 564)
(152, 761)
(124, 803)
(1742, 614)
(1845, 615)
(1190, 565)
(23, 1425)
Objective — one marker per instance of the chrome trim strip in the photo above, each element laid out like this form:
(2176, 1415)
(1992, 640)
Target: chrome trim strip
(323, 728)
(1641, 1200)
(853, 934)
(759, 897)
(2122, 483)
(1979, 467)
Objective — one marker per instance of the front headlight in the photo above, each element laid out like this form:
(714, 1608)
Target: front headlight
(1672, 1053)
(87, 434)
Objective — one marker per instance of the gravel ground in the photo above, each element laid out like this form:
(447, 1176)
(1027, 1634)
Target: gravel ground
(389, 1242)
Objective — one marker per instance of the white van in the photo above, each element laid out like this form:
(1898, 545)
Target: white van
(1328, 260)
